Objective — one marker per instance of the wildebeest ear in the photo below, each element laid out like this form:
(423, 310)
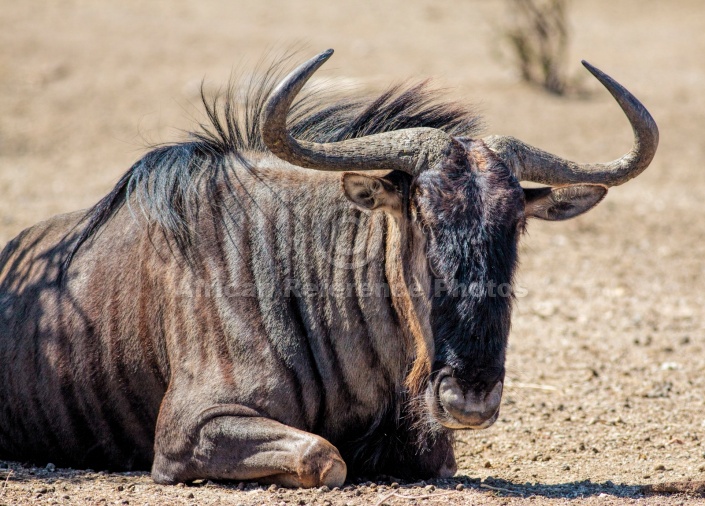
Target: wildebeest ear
(563, 202)
(371, 193)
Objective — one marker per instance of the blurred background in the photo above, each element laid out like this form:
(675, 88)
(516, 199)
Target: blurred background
(606, 359)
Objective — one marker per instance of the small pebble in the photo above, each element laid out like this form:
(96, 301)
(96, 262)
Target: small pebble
(51, 467)
(459, 487)
(190, 495)
(394, 485)
(430, 488)
(660, 467)
(488, 464)
(324, 489)
(272, 488)
(566, 468)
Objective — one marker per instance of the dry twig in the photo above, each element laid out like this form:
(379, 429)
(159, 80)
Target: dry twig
(531, 386)
(496, 489)
(417, 497)
(4, 485)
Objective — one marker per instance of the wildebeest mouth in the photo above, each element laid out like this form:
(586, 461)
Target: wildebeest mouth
(457, 407)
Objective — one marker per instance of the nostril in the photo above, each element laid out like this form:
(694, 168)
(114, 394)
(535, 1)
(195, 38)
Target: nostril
(495, 396)
(450, 392)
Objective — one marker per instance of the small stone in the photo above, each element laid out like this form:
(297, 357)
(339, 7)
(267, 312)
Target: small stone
(180, 485)
(190, 495)
(324, 489)
(51, 467)
(459, 487)
(660, 467)
(701, 469)
(120, 488)
(394, 484)
(358, 492)
(42, 490)
(566, 467)
(430, 488)
(241, 485)
(488, 464)
(272, 488)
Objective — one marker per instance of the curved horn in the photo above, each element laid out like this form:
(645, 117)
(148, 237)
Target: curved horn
(410, 150)
(532, 164)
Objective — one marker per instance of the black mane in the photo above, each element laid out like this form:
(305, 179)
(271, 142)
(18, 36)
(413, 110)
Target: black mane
(165, 180)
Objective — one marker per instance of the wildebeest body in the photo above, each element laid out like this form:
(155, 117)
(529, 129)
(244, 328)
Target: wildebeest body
(225, 314)
(109, 354)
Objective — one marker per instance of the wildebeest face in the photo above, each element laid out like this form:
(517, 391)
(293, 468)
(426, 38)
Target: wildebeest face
(469, 214)
(472, 213)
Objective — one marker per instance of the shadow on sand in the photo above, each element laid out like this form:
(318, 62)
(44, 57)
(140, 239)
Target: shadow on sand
(496, 486)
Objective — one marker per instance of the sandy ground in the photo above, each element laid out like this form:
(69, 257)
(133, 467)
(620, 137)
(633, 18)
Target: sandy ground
(605, 392)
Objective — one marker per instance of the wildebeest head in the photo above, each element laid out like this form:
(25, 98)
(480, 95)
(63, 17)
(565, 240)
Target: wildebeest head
(464, 207)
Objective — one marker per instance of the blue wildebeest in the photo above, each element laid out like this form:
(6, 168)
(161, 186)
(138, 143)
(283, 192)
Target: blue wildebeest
(233, 309)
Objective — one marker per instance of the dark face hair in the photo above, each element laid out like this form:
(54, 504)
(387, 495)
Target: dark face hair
(472, 213)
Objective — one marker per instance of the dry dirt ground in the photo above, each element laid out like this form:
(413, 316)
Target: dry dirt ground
(605, 386)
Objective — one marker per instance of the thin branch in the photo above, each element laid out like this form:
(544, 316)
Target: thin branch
(531, 386)
(4, 485)
(417, 497)
(496, 489)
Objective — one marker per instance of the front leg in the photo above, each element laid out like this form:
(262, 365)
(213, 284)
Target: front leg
(231, 442)
(395, 449)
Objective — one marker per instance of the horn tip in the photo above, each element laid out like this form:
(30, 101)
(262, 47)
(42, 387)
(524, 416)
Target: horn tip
(325, 54)
(593, 70)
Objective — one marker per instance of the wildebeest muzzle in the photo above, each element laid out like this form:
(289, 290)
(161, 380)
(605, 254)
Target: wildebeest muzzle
(459, 406)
